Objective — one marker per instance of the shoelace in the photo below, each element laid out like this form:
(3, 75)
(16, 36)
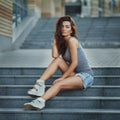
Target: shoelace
(34, 101)
(35, 86)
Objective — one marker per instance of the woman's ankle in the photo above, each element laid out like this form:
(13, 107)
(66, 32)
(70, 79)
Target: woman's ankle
(41, 99)
(41, 81)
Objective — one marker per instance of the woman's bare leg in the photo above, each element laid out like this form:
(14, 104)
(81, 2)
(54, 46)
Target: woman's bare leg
(69, 83)
(39, 87)
(52, 68)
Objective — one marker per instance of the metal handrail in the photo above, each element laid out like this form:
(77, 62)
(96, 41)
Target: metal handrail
(19, 12)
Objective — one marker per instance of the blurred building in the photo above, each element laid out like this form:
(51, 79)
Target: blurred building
(96, 8)
(19, 16)
(102, 8)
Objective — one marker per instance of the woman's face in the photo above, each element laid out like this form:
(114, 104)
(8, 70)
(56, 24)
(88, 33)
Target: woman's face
(66, 29)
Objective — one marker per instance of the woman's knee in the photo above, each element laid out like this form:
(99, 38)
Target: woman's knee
(59, 85)
(57, 60)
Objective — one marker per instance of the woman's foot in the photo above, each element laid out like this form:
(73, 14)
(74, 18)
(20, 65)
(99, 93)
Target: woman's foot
(36, 104)
(38, 89)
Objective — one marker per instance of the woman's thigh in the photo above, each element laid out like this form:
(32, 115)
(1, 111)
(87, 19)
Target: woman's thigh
(74, 82)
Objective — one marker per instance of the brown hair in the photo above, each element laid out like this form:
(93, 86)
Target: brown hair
(60, 42)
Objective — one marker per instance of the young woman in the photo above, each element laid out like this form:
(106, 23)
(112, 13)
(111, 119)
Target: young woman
(69, 57)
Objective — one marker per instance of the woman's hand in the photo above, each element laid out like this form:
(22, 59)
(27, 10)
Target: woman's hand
(58, 80)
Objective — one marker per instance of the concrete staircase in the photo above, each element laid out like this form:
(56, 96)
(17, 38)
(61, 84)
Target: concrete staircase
(101, 101)
(21, 68)
(92, 33)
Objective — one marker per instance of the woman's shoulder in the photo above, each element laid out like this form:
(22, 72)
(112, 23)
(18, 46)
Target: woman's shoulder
(74, 40)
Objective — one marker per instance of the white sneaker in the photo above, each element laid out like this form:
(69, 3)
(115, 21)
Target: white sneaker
(38, 89)
(35, 104)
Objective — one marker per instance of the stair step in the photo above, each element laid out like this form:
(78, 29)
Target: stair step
(100, 102)
(95, 90)
(40, 45)
(38, 71)
(64, 102)
(114, 43)
(60, 114)
(31, 79)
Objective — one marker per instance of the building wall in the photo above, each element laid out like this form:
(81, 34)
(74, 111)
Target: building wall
(6, 8)
(47, 8)
(34, 7)
(59, 8)
(119, 6)
(52, 8)
(86, 8)
(94, 8)
(107, 8)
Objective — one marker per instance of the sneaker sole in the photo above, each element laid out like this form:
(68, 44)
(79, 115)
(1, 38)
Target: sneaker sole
(30, 107)
(33, 94)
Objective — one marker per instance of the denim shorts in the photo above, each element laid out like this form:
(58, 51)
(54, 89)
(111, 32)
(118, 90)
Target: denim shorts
(86, 78)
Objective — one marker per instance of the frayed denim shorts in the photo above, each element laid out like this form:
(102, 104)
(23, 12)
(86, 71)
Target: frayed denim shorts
(86, 78)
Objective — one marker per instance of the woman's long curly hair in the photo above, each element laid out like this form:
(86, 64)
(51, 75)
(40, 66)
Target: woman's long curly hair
(60, 42)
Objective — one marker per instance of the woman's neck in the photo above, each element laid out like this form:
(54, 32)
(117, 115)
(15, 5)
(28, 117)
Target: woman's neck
(67, 38)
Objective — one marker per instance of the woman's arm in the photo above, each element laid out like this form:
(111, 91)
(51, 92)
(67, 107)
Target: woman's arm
(73, 44)
(55, 53)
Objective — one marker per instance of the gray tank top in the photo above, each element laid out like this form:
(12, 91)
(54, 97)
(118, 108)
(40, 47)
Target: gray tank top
(83, 65)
